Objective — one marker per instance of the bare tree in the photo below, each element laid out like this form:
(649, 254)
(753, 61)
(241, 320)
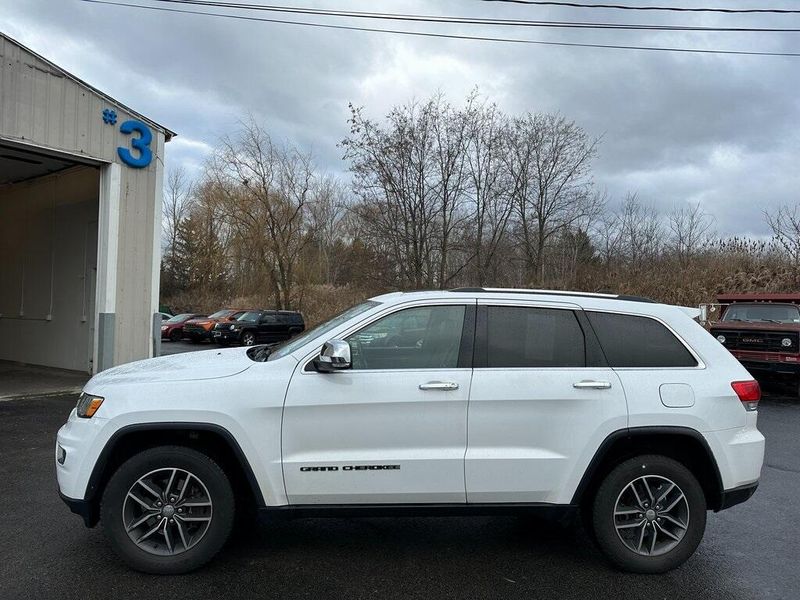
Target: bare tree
(405, 176)
(264, 192)
(488, 188)
(178, 197)
(326, 221)
(549, 161)
(785, 225)
(641, 231)
(689, 226)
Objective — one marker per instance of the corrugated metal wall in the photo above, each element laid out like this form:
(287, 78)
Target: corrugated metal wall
(42, 105)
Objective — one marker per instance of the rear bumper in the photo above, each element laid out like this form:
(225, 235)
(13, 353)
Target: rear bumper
(737, 495)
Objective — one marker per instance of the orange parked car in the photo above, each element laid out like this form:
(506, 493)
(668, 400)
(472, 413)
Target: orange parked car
(200, 329)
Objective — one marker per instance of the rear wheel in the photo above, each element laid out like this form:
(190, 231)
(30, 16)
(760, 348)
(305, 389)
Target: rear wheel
(649, 514)
(168, 510)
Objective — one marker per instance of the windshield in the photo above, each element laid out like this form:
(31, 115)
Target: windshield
(322, 329)
(219, 314)
(248, 316)
(772, 313)
(180, 318)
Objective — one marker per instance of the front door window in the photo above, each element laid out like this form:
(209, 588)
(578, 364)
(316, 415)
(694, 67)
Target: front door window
(426, 337)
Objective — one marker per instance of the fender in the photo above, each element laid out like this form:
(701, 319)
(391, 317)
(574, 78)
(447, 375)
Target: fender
(102, 461)
(634, 434)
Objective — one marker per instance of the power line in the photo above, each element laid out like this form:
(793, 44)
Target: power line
(445, 35)
(472, 20)
(653, 8)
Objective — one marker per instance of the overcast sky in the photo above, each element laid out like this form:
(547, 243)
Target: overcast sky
(677, 128)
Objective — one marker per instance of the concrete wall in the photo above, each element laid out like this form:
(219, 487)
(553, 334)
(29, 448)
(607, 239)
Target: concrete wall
(42, 105)
(48, 245)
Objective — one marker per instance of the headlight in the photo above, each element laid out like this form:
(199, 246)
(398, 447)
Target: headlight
(232, 327)
(164, 327)
(88, 405)
(721, 339)
(786, 342)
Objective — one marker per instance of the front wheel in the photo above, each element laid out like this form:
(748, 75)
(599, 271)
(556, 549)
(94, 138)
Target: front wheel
(649, 514)
(248, 338)
(168, 510)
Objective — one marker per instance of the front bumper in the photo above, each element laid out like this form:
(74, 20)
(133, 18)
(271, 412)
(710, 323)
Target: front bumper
(196, 332)
(228, 337)
(769, 367)
(80, 441)
(88, 510)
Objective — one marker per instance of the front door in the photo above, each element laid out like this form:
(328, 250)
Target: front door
(393, 428)
(267, 328)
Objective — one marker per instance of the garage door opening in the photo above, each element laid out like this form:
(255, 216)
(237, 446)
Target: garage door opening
(48, 259)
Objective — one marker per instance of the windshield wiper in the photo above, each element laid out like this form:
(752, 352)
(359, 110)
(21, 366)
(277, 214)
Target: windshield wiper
(772, 321)
(259, 353)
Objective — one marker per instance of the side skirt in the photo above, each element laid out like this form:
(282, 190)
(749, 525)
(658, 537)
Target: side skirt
(298, 511)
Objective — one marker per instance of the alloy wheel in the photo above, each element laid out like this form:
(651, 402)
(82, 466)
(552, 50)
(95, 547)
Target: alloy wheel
(651, 515)
(167, 511)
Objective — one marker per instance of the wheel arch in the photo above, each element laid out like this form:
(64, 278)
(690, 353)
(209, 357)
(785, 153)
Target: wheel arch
(211, 439)
(683, 444)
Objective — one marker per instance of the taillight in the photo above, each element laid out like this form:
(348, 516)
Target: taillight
(749, 393)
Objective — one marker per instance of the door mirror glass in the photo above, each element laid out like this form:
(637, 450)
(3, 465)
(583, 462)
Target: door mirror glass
(334, 356)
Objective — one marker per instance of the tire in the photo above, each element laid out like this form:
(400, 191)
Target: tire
(634, 547)
(195, 339)
(175, 335)
(248, 338)
(208, 507)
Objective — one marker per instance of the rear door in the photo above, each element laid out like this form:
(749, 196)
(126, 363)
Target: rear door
(542, 400)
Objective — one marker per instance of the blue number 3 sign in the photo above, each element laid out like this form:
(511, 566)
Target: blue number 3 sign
(140, 144)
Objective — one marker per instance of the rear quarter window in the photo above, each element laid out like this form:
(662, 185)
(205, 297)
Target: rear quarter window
(636, 341)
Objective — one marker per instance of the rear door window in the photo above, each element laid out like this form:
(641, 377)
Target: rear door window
(519, 336)
(636, 341)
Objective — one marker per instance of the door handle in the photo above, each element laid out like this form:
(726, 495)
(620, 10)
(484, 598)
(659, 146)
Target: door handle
(439, 385)
(588, 384)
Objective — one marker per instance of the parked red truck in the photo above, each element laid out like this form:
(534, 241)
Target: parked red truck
(763, 332)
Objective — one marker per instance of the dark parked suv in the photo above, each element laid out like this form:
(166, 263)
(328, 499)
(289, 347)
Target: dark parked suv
(259, 326)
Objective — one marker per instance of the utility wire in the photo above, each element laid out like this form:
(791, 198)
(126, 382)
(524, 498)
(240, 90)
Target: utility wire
(471, 20)
(654, 8)
(445, 35)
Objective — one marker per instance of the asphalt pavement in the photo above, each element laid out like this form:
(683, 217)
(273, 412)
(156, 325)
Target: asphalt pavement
(168, 347)
(748, 552)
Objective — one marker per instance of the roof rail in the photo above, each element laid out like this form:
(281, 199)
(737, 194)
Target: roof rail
(554, 293)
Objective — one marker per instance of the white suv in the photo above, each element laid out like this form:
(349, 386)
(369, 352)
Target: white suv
(464, 401)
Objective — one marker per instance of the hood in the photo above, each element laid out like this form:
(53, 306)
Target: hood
(199, 320)
(207, 364)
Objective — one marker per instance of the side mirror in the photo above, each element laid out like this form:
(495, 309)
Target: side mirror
(334, 356)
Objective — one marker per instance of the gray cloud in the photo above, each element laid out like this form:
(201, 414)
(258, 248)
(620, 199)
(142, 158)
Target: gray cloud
(676, 128)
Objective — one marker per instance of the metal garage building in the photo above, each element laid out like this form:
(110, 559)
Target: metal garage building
(80, 220)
